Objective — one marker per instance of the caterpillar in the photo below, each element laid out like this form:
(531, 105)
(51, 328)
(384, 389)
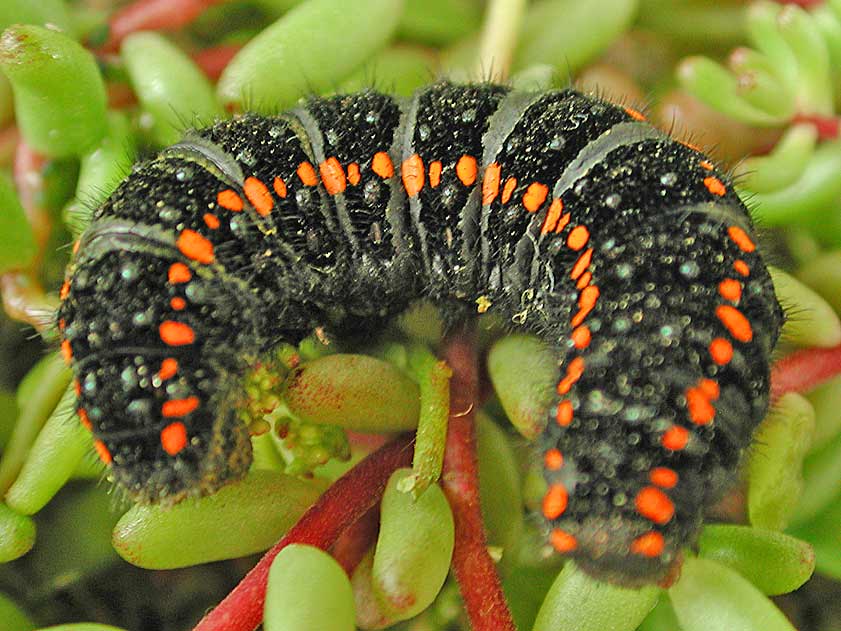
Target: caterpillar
(624, 250)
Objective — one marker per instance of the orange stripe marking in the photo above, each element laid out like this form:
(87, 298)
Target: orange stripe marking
(562, 223)
(741, 267)
(534, 196)
(552, 216)
(333, 176)
(508, 189)
(655, 505)
(741, 239)
(178, 303)
(735, 322)
(701, 411)
(381, 165)
(581, 337)
(721, 351)
(562, 541)
(706, 164)
(353, 175)
(169, 367)
(194, 246)
(710, 388)
(553, 459)
(490, 183)
(65, 290)
(555, 501)
(563, 416)
(650, 545)
(586, 302)
(635, 114)
(279, 187)
(174, 438)
(714, 186)
(578, 238)
(675, 438)
(730, 289)
(259, 196)
(179, 273)
(230, 200)
(176, 333)
(581, 264)
(584, 280)
(466, 170)
(663, 477)
(306, 173)
(211, 221)
(66, 351)
(179, 407)
(84, 420)
(435, 169)
(574, 372)
(413, 174)
(102, 451)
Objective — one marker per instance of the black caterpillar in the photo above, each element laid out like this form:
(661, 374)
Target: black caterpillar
(625, 250)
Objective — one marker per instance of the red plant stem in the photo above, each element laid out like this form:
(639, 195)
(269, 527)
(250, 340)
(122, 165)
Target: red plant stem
(29, 182)
(474, 569)
(804, 369)
(348, 499)
(353, 544)
(828, 127)
(150, 15)
(213, 60)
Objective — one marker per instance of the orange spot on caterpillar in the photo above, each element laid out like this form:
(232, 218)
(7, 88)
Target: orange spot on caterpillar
(675, 438)
(259, 196)
(655, 505)
(562, 223)
(709, 388)
(279, 187)
(84, 420)
(635, 114)
(735, 322)
(102, 451)
(65, 290)
(194, 246)
(701, 411)
(714, 185)
(581, 264)
(306, 173)
(466, 170)
(169, 367)
(584, 280)
(211, 221)
(179, 273)
(230, 200)
(563, 416)
(381, 165)
(66, 351)
(706, 164)
(741, 267)
(578, 238)
(581, 337)
(650, 545)
(413, 175)
(534, 196)
(62, 324)
(721, 351)
(574, 371)
(663, 477)
(490, 183)
(553, 459)
(333, 176)
(586, 302)
(508, 189)
(730, 289)
(435, 169)
(179, 407)
(178, 303)
(174, 438)
(562, 541)
(77, 387)
(176, 333)
(76, 245)
(552, 216)
(741, 239)
(353, 175)
(555, 501)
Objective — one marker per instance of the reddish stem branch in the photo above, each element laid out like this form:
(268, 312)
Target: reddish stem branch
(804, 369)
(474, 569)
(213, 60)
(828, 127)
(151, 15)
(348, 499)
